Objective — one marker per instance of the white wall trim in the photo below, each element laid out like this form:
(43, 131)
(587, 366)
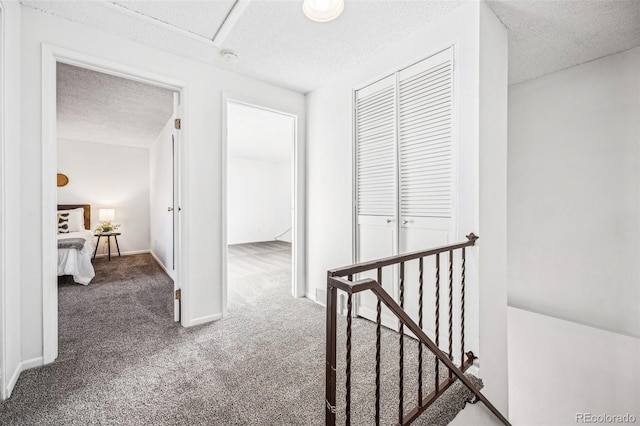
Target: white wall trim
(203, 320)
(123, 253)
(49, 205)
(23, 366)
(31, 363)
(158, 23)
(10, 105)
(164, 268)
(50, 56)
(298, 239)
(11, 383)
(3, 203)
(312, 298)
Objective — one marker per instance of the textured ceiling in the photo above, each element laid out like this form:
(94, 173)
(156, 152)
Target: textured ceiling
(276, 43)
(259, 134)
(96, 107)
(547, 36)
(275, 39)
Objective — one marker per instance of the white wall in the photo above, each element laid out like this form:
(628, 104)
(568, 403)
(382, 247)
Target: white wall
(161, 196)
(574, 194)
(10, 278)
(259, 200)
(558, 369)
(284, 201)
(109, 176)
(481, 182)
(201, 179)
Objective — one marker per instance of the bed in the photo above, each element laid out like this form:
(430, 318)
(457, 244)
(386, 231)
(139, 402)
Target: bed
(75, 245)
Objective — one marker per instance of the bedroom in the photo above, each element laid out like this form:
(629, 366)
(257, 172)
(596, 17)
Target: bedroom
(115, 166)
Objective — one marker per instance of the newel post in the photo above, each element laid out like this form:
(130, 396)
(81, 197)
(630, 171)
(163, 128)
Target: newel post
(330, 394)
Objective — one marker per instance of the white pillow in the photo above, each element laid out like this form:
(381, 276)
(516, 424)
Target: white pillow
(76, 219)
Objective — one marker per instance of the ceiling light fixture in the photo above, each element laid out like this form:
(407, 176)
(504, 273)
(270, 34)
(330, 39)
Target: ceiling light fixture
(323, 10)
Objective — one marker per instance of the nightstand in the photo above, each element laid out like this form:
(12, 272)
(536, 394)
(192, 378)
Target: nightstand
(108, 235)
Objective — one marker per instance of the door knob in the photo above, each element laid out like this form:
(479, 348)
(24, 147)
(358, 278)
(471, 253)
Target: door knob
(389, 220)
(404, 222)
(169, 209)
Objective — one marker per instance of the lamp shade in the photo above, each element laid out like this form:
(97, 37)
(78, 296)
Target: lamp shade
(107, 215)
(323, 10)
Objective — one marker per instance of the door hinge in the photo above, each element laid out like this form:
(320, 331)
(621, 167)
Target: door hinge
(178, 294)
(177, 123)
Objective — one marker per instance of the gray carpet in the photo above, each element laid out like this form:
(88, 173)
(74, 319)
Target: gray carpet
(122, 360)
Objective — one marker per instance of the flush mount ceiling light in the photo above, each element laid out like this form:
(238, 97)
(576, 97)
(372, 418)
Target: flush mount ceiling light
(323, 10)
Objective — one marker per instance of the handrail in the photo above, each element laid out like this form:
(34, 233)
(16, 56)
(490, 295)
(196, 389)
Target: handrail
(392, 260)
(371, 284)
(342, 279)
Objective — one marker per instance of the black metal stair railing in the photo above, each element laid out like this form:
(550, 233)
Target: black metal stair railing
(336, 281)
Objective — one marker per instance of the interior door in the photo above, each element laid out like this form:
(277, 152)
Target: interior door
(175, 207)
(404, 179)
(376, 187)
(425, 132)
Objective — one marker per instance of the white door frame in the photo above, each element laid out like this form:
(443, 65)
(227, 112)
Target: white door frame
(175, 204)
(297, 274)
(51, 55)
(3, 204)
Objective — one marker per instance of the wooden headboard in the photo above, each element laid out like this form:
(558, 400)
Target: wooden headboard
(87, 212)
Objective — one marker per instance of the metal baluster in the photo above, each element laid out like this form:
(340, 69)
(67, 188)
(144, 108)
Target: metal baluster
(450, 309)
(401, 366)
(378, 325)
(437, 342)
(462, 309)
(421, 267)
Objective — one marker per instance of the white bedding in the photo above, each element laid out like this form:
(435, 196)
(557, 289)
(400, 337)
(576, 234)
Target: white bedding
(77, 262)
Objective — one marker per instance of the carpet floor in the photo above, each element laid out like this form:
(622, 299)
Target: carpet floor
(123, 361)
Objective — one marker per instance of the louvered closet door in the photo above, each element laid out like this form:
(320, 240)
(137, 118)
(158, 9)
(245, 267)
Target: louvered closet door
(425, 127)
(376, 184)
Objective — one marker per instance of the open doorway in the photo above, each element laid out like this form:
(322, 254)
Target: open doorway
(116, 150)
(117, 156)
(261, 205)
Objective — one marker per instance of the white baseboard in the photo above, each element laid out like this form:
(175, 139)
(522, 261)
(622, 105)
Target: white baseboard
(24, 365)
(312, 297)
(164, 268)
(123, 253)
(12, 381)
(204, 320)
(32, 363)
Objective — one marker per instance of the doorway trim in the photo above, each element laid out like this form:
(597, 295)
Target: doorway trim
(51, 55)
(298, 235)
(3, 269)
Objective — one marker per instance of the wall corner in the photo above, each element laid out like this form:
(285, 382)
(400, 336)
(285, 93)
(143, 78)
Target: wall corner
(492, 108)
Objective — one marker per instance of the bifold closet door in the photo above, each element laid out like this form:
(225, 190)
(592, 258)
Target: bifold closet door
(376, 185)
(425, 151)
(404, 172)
